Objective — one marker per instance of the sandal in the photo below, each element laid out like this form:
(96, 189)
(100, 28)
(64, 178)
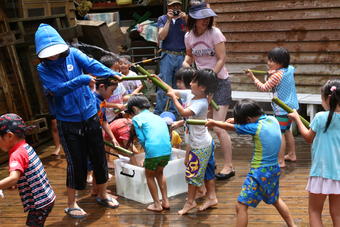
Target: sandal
(106, 202)
(69, 210)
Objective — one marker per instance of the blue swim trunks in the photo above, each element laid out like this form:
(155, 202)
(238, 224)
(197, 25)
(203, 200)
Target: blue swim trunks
(210, 171)
(261, 184)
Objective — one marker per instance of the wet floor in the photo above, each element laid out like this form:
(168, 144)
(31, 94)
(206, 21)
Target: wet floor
(130, 213)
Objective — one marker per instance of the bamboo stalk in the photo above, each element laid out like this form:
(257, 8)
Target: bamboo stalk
(289, 110)
(196, 122)
(139, 77)
(257, 71)
(153, 79)
(214, 105)
(120, 149)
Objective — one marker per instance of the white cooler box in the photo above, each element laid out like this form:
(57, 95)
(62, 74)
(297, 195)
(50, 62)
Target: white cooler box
(131, 181)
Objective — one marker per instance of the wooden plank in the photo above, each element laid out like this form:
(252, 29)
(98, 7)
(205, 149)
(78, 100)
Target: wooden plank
(286, 25)
(295, 57)
(221, 6)
(287, 36)
(306, 69)
(6, 88)
(289, 14)
(300, 47)
(6, 38)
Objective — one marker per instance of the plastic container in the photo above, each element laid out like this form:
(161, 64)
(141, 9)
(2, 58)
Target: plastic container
(131, 181)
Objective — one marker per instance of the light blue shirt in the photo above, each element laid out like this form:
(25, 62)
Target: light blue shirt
(326, 147)
(153, 134)
(267, 140)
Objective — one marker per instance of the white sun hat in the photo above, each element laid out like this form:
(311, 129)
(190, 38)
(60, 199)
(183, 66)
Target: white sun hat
(53, 50)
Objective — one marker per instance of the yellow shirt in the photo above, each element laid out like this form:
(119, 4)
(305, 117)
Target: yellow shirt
(175, 139)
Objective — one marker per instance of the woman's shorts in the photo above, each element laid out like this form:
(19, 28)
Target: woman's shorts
(153, 163)
(222, 95)
(261, 184)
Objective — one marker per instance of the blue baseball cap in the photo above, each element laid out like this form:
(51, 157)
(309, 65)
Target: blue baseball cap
(201, 11)
(168, 117)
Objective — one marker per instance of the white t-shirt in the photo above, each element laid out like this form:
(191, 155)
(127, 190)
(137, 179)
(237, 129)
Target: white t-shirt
(203, 49)
(116, 97)
(198, 136)
(131, 85)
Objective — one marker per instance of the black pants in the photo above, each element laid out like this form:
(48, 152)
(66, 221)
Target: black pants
(83, 140)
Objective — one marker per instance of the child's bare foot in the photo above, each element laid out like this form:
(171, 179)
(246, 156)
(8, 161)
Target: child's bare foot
(154, 207)
(282, 163)
(165, 204)
(56, 151)
(207, 204)
(290, 158)
(187, 207)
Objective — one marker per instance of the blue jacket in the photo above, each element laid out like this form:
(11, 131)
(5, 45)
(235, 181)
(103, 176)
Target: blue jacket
(66, 80)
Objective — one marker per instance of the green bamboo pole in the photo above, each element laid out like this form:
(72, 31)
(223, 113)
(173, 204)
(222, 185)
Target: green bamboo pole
(257, 71)
(120, 149)
(139, 77)
(162, 86)
(196, 122)
(289, 110)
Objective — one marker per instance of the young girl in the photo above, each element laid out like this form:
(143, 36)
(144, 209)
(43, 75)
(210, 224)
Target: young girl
(324, 133)
(281, 83)
(262, 182)
(153, 134)
(199, 138)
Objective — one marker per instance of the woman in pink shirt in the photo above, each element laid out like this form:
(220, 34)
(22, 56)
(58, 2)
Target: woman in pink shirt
(205, 46)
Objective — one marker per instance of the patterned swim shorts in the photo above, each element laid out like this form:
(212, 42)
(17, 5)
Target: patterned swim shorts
(261, 184)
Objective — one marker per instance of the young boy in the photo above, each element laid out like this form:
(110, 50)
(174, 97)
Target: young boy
(119, 94)
(153, 134)
(262, 182)
(199, 138)
(36, 193)
(124, 66)
(281, 82)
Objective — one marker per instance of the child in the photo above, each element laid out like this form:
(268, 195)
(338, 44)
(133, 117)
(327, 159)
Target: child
(153, 134)
(169, 118)
(124, 66)
(119, 95)
(184, 77)
(324, 133)
(262, 182)
(281, 82)
(200, 141)
(36, 193)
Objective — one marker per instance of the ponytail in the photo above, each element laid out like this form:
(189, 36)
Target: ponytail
(332, 90)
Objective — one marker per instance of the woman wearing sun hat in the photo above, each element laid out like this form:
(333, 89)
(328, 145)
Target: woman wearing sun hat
(205, 46)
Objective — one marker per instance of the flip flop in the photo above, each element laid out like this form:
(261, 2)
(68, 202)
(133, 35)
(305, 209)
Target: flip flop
(106, 202)
(69, 210)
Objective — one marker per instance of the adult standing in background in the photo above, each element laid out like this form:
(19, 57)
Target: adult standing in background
(171, 31)
(205, 46)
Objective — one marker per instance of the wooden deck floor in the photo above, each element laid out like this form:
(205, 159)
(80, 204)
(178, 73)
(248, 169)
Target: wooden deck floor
(131, 213)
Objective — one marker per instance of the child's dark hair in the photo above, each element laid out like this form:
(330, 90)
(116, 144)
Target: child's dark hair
(244, 109)
(206, 78)
(109, 60)
(332, 90)
(139, 101)
(280, 55)
(186, 75)
(126, 58)
(105, 81)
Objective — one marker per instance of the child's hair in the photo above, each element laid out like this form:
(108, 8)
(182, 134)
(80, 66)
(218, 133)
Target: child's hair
(125, 58)
(139, 101)
(332, 90)
(109, 60)
(280, 55)
(206, 78)
(105, 81)
(244, 109)
(186, 75)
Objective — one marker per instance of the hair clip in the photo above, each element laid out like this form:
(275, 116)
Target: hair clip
(333, 88)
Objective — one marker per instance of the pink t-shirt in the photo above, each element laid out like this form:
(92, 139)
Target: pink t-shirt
(203, 49)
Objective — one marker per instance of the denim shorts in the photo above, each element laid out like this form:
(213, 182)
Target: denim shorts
(222, 95)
